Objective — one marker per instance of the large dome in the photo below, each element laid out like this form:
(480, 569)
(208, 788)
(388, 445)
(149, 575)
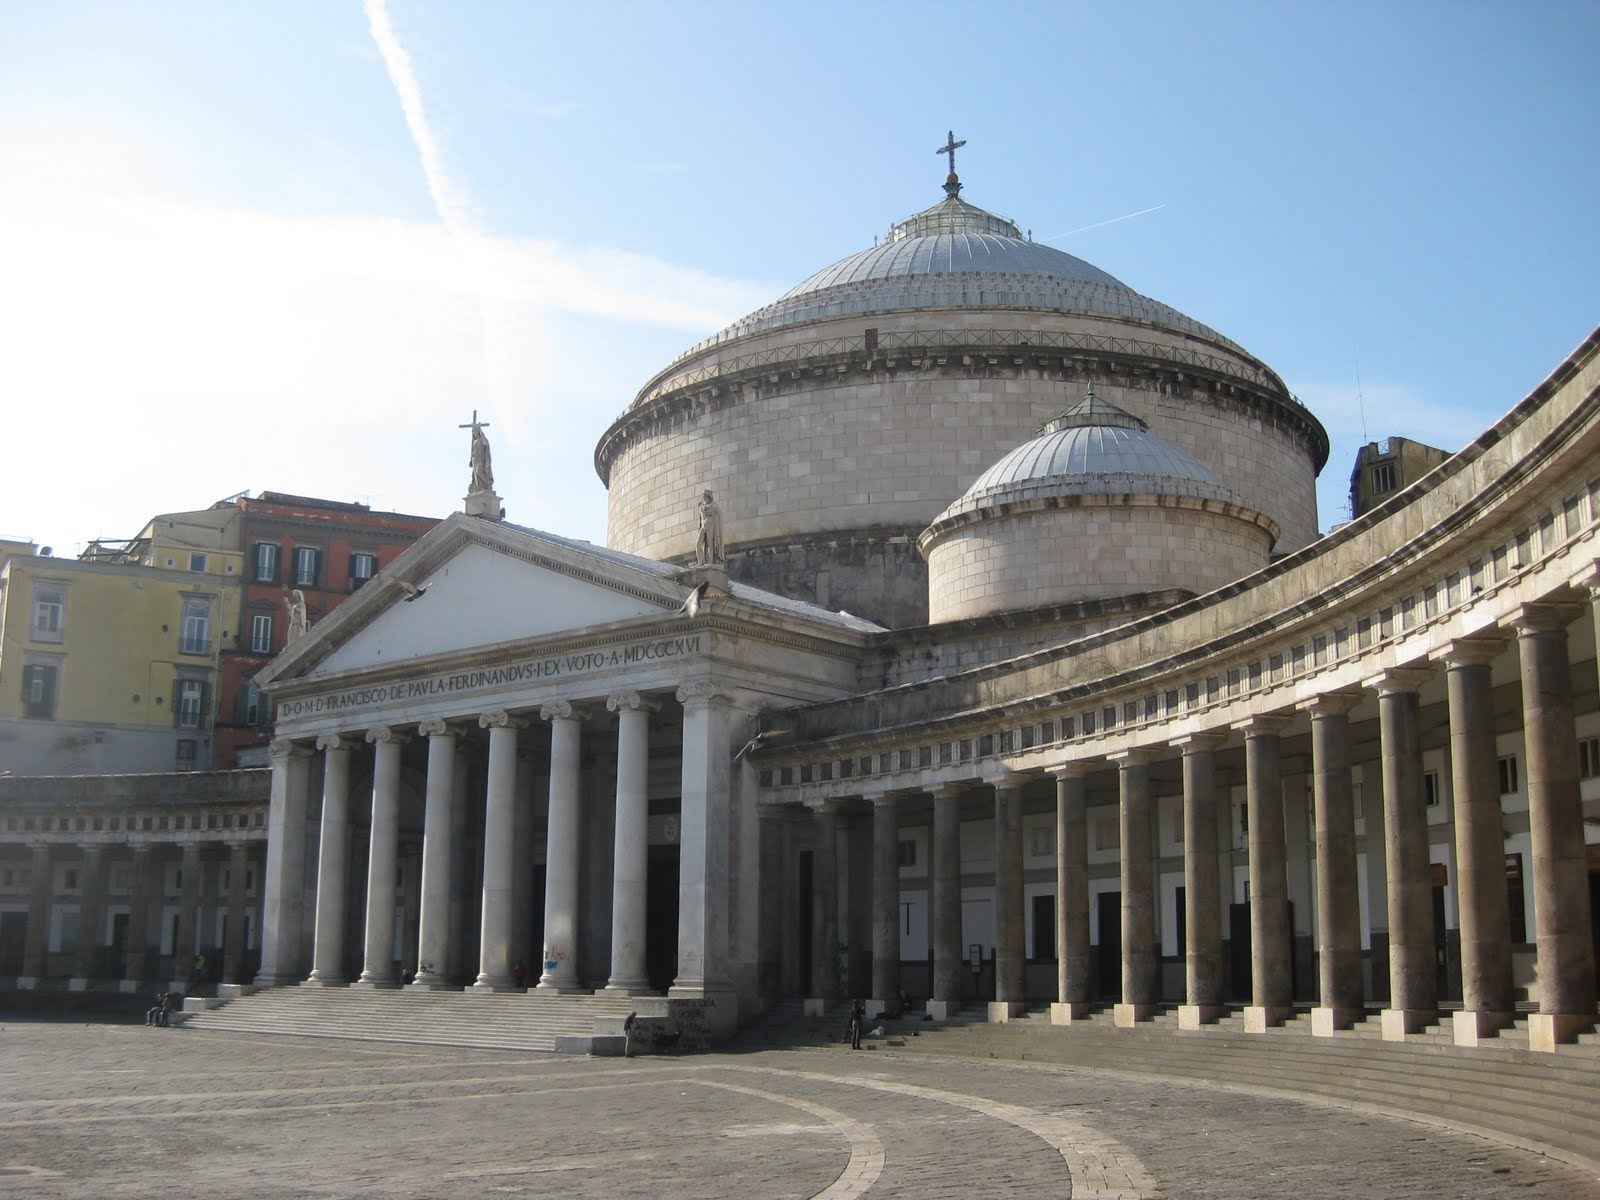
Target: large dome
(957, 255)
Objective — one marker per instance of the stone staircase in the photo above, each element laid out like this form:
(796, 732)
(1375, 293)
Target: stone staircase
(1549, 1103)
(485, 1020)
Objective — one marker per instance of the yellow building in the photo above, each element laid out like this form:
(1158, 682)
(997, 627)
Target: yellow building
(110, 662)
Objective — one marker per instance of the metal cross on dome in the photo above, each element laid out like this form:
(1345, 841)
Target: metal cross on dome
(952, 185)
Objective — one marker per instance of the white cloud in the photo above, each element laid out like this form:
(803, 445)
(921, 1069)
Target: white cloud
(164, 350)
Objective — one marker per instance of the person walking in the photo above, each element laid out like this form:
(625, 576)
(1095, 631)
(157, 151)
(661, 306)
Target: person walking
(858, 1018)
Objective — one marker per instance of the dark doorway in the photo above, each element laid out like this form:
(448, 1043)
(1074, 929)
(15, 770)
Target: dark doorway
(1441, 942)
(661, 918)
(1594, 917)
(803, 934)
(1240, 984)
(13, 935)
(114, 953)
(1044, 927)
(1108, 959)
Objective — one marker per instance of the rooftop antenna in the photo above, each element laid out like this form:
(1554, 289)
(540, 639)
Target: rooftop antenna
(1361, 403)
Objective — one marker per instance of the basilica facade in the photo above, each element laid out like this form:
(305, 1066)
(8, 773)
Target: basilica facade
(964, 630)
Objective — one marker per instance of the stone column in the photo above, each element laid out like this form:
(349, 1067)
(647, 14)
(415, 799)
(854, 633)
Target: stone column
(825, 939)
(327, 951)
(945, 998)
(1074, 957)
(1484, 914)
(91, 915)
(560, 964)
(36, 944)
(234, 949)
(382, 849)
(1339, 984)
(631, 854)
(1010, 952)
(184, 943)
(136, 953)
(1413, 978)
(1555, 821)
(1140, 977)
(885, 904)
(703, 854)
(438, 828)
(499, 817)
(1202, 884)
(283, 905)
(1270, 944)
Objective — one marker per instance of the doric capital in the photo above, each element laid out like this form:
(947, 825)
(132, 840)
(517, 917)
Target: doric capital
(499, 719)
(1001, 777)
(333, 741)
(385, 735)
(1139, 756)
(561, 710)
(1199, 743)
(1078, 768)
(1264, 723)
(1472, 651)
(1545, 618)
(286, 748)
(1399, 680)
(951, 791)
(631, 702)
(436, 727)
(699, 692)
(1331, 704)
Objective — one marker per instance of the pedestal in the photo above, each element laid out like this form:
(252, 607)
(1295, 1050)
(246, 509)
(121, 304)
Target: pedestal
(1475, 1028)
(1065, 1013)
(1197, 1016)
(1327, 1021)
(1258, 1018)
(1005, 1010)
(1126, 1016)
(1546, 1031)
(1398, 1023)
(943, 1010)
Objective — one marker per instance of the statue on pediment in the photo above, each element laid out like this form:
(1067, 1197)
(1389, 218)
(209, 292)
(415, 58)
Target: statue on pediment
(708, 545)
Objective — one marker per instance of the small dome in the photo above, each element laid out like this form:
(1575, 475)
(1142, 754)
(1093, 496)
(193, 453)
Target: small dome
(1094, 448)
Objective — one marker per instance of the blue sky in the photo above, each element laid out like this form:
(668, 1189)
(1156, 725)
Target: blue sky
(292, 246)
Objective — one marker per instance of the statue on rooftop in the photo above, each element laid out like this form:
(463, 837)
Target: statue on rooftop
(708, 545)
(299, 620)
(482, 472)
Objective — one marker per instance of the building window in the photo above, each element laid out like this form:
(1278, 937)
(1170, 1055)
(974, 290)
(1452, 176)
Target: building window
(39, 690)
(306, 562)
(253, 707)
(261, 633)
(1382, 479)
(186, 756)
(197, 562)
(267, 555)
(1589, 758)
(362, 568)
(188, 705)
(908, 854)
(1509, 783)
(49, 613)
(1432, 795)
(196, 635)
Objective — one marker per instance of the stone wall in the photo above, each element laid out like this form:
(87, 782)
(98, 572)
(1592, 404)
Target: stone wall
(1093, 552)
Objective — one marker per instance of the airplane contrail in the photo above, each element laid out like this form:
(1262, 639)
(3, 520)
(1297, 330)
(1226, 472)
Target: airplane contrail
(451, 208)
(1112, 221)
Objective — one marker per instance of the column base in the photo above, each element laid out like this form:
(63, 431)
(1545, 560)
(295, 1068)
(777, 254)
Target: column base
(234, 991)
(878, 1009)
(560, 987)
(640, 987)
(1474, 1028)
(27, 983)
(1325, 1022)
(375, 985)
(943, 1010)
(1258, 1018)
(1126, 1016)
(431, 983)
(1546, 1031)
(817, 1006)
(1065, 1012)
(1198, 1016)
(324, 981)
(1400, 1023)
(485, 984)
(78, 983)
(1001, 1011)
(272, 981)
(128, 985)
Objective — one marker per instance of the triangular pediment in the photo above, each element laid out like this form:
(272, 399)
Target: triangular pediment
(471, 583)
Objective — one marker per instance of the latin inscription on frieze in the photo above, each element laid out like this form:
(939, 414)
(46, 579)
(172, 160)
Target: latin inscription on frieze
(481, 679)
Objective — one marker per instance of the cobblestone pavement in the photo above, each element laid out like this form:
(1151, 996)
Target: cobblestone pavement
(109, 1111)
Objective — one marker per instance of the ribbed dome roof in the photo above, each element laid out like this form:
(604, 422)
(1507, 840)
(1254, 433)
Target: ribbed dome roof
(1093, 449)
(956, 255)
